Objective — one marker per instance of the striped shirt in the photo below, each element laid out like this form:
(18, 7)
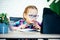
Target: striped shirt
(20, 22)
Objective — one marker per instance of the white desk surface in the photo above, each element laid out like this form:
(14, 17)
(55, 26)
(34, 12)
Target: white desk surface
(18, 34)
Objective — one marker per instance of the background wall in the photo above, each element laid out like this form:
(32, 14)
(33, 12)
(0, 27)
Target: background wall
(15, 8)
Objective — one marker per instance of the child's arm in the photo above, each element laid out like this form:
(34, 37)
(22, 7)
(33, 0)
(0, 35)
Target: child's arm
(18, 25)
(15, 25)
(23, 26)
(14, 28)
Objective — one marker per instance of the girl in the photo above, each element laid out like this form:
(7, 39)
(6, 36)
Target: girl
(29, 19)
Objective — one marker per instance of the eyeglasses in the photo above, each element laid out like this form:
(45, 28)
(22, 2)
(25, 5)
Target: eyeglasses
(33, 16)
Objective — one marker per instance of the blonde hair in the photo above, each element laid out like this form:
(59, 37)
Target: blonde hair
(26, 9)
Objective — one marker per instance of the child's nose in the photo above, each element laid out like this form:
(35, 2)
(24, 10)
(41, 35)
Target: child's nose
(34, 19)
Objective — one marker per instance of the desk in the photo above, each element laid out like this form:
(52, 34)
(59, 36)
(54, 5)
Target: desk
(17, 34)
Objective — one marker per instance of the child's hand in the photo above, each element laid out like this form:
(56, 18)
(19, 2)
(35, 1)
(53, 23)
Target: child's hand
(35, 24)
(13, 28)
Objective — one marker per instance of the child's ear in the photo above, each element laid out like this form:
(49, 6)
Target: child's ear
(24, 15)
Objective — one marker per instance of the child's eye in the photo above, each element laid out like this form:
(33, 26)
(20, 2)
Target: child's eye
(35, 15)
(30, 15)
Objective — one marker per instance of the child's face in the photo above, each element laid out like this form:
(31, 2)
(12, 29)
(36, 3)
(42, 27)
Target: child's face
(31, 15)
